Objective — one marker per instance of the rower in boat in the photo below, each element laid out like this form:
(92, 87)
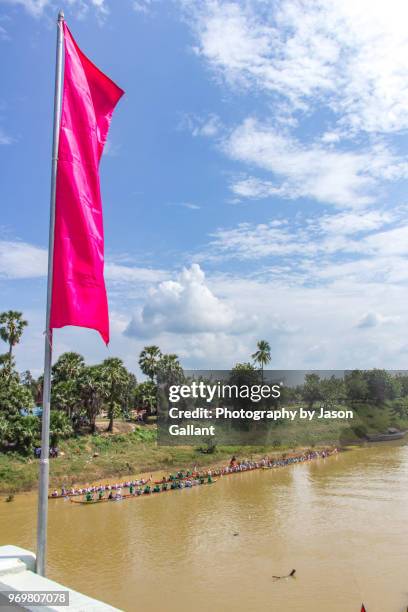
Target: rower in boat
(131, 489)
(147, 490)
(88, 496)
(100, 495)
(156, 489)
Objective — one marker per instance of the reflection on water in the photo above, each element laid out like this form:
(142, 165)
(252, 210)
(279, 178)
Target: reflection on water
(341, 522)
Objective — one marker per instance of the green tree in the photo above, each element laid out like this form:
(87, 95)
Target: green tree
(65, 389)
(381, 386)
(129, 395)
(34, 385)
(24, 433)
(117, 379)
(149, 361)
(67, 367)
(402, 379)
(146, 396)
(262, 356)
(311, 389)
(13, 394)
(332, 391)
(12, 326)
(356, 386)
(243, 375)
(60, 427)
(93, 392)
(169, 370)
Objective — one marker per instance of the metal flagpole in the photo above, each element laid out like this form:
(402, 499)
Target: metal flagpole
(45, 431)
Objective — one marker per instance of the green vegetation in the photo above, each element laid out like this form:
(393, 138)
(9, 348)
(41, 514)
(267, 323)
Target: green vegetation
(94, 458)
(101, 417)
(262, 355)
(12, 325)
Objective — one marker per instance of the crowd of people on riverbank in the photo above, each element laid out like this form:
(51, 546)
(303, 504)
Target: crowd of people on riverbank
(187, 479)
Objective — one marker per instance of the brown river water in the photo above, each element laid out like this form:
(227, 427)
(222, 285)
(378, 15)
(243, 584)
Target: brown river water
(341, 522)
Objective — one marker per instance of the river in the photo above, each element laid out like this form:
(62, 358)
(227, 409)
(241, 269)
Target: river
(341, 522)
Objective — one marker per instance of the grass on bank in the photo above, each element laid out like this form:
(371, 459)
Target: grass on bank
(92, 458)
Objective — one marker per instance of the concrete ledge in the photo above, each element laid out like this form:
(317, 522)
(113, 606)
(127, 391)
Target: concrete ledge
(16, 574)
(15, 557)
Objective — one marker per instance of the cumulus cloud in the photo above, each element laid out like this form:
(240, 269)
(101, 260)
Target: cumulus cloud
(186, 305)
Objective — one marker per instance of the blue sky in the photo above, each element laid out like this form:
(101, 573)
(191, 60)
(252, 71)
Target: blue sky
(254, 183)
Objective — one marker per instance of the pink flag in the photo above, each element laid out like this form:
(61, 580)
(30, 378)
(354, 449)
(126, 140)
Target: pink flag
(78, 288)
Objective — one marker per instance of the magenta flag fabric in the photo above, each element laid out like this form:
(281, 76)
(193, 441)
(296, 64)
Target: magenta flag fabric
(78, 289)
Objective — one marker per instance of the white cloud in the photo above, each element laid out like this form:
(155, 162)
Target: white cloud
(4, 35)
(248, 241)
(330, 137)
(189, 205)
(5, 139)
(185, 306)
(342, 178)
(347, 55)
(254, 188)
(208, 126)
(374, 319)
(21, 260)
(116, 273)
(37, 8)
(364, 247)
(34, 7)
(142, 6)
(352, 222)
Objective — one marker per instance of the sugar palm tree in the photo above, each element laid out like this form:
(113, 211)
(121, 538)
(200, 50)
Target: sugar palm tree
(67, 367)
(117, 380)
(169, 370)
(93, 391)
(263, 355)
(12, 325)
(149, 360)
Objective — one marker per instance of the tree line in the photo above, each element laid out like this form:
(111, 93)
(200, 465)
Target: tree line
(80, 392)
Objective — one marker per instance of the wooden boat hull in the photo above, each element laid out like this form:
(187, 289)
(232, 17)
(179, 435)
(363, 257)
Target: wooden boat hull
(385, 437)
(117, 499)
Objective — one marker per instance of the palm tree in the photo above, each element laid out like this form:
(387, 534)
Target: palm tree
(66, 372)
(12, 325)
(93, 392)
(149, 360)
(263, 355)
(146, 396)
(67, 367)
(169, 370)
(117, 380)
